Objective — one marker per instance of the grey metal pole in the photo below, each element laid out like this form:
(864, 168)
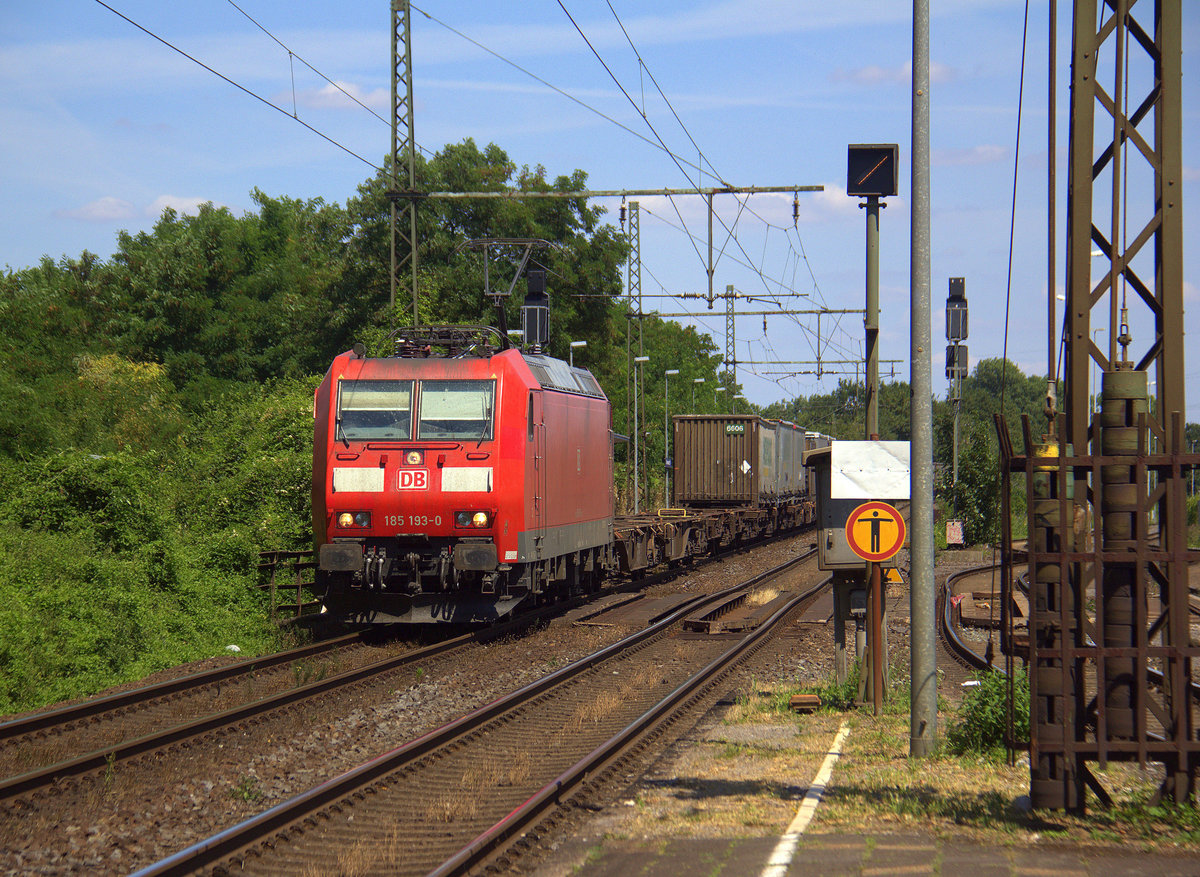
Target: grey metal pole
(957, 385)
(923, 727)
(638, 361)
(637, 484)
(667, 427)
(871, 319)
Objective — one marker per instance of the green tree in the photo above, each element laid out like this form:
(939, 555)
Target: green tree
(213, 296)
(841, 413)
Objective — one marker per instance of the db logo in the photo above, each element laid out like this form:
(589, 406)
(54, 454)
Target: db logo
(414, 479)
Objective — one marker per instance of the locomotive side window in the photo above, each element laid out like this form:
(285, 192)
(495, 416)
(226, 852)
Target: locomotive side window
(456, 409)
(370, 410)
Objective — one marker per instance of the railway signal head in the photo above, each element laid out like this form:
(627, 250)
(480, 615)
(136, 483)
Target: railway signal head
(956, 310)
(871, 169)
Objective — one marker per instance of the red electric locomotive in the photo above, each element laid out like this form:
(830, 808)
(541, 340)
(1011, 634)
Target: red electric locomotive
(457, 479)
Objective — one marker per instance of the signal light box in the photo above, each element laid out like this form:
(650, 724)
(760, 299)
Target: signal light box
(956, 310)
(871, 169)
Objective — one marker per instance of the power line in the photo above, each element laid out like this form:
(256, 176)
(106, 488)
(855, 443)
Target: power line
(644, 66)
(552, 87)
(241, 87)
(292, 54)
(660, 144)
(306, 63)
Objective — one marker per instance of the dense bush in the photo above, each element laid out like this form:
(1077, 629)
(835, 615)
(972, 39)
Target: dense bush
(979, 727)
(115, 565)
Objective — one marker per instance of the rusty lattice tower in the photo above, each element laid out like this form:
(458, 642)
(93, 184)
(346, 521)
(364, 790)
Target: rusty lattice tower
(1110, 655)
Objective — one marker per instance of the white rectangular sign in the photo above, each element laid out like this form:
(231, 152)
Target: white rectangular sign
(869, 470)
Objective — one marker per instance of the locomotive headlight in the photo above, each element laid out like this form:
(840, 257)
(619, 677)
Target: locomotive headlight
(472, 520)
(345, 519)
(414, 458)
(354, 521)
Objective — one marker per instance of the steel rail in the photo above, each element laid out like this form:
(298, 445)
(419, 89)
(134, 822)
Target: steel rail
(102, 758)
(246, 836)
(99, 706)
(958, 649)
(972, 659)
(552, 794)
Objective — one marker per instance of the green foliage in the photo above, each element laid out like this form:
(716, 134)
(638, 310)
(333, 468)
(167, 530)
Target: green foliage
(975, 497)
(983, 715)
(840, 697)
(1180, 821)
(247, 789)
(115, 565)
(842, 412)
(155, 408)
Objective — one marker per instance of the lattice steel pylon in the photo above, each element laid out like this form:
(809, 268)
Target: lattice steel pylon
(1110, 655)
(404, 158)
(1144, 251)
(730, 340)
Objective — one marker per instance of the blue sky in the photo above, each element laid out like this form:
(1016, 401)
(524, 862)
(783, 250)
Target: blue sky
(103, 126)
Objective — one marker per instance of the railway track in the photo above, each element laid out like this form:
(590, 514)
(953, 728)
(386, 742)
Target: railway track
(44, 748)
(146, 720)
(954, 644)
(965, 654)
(96, 710)
(455, 797)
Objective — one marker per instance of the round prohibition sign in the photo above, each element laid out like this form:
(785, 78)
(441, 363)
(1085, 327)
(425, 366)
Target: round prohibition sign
(875, 531)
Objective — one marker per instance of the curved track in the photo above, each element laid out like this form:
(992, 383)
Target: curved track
(948, 628)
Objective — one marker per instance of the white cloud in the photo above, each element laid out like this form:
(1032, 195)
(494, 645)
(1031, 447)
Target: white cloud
(110, 208)
(984, 154)
(1191, 292)
(104, 209)
(338, 95)
(832, 203)
(1191, 174)
(188, 206)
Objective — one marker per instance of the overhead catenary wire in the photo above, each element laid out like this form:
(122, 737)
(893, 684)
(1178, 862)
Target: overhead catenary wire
(730, 230)
(780, 283)
(643, 66)
(705, 166)
(743, 203)
(241, 87)
(1013, 212)
(292, 54)
(551, 86)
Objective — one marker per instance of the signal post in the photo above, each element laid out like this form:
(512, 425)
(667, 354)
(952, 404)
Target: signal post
(857, 540)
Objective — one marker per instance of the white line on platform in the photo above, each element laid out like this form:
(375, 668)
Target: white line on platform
(785, 850)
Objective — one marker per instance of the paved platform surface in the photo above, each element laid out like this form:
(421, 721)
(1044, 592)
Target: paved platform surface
(819, 855)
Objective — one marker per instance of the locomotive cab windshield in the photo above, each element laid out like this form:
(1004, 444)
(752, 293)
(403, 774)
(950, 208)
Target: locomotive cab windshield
(376, 410)
(382, 410)
(456, 410)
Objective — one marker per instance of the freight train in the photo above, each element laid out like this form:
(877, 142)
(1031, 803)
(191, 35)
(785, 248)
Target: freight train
(462, 478)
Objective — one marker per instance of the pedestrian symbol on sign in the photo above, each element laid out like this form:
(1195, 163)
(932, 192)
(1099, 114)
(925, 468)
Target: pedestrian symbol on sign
(875, 531)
